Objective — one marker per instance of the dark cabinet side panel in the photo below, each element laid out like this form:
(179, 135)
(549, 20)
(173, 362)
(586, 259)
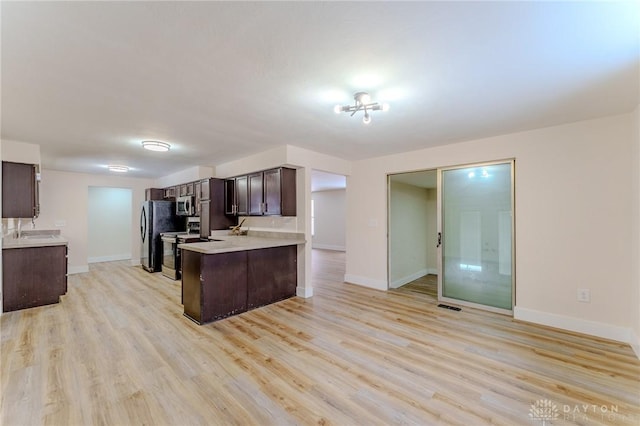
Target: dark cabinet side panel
(191, 285)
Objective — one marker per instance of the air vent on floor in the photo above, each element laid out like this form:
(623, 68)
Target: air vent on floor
(453, 308)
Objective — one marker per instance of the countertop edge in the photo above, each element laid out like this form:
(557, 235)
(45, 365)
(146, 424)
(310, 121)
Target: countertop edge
(32, 243)
(217, 247)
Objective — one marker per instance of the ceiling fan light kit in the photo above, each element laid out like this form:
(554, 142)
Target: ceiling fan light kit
(362, 103)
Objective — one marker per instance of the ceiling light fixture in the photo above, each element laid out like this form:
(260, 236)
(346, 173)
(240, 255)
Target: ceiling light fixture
(156, 146)
(363, 103)
(118, 169)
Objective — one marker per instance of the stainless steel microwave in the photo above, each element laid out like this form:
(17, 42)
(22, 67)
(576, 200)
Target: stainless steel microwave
(184, 206)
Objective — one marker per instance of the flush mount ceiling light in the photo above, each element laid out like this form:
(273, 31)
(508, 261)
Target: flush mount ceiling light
(118, 169)
(156, 146)
(363, 103)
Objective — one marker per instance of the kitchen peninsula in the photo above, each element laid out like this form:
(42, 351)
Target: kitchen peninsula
(235, 273)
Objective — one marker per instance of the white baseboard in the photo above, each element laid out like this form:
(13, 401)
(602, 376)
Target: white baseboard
(366, 282)
(593, 328)
(110, 258)
(635, 345)
(328, 247)
(304, 292)
(407, 279)
(78, 269)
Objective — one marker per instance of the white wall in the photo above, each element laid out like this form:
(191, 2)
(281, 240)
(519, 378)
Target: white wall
(64, 201)
(189, 175)
(408, 233)
(330, 219)
(635, 226)
(20, 152)
(109, 220)
(573, 219)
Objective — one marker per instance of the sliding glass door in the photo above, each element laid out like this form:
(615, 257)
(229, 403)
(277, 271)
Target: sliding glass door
(476, 225)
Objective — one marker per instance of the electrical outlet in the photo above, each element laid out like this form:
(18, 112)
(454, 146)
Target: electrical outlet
(584, 295)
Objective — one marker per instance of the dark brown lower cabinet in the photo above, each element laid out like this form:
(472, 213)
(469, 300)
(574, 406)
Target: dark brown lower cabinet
(272, 275)
(216, 286)
(33, 276)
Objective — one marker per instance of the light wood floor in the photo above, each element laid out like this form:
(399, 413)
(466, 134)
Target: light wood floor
(427, 284)
(117, 351)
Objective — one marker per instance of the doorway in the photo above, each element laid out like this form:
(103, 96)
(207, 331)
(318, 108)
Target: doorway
(472, 240)
(109, 224)
(328, 226)
(413, 262)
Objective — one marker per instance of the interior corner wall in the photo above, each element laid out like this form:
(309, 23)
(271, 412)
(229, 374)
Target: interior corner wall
(329, 219)
(64, 198)
(573, 213)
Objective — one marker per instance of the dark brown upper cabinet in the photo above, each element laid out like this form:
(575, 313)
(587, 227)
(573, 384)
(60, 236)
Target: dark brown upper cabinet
(267, 193)
(154, 194)
(19, 190)
(236, 195)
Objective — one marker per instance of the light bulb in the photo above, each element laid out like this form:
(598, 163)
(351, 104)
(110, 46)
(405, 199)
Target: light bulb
(385, 107)
(337, 109)
(366, 119)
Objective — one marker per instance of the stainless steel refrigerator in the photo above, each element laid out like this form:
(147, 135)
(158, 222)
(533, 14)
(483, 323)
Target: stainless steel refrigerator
(157, 217)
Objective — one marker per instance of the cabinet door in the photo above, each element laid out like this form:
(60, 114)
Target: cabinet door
(256, 194)
(272, 191)
(197, 188)
(170, 193)
(242, 195)
(190, 188)
(230, 196)
(153, 194)
(18, 190)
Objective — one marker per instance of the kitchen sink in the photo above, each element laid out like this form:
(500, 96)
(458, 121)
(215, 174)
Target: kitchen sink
(38, 237)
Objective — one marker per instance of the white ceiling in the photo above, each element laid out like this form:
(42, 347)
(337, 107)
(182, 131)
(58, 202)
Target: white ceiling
(221, 80)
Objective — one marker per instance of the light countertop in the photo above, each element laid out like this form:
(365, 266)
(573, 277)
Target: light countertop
(35, 238)
(253, 241)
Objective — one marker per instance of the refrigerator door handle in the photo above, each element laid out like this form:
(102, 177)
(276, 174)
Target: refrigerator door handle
(143, 224)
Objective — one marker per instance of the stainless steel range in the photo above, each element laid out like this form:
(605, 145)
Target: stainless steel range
(171, 259)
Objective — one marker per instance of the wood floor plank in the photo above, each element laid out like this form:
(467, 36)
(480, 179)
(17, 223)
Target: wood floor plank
(117, 350)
